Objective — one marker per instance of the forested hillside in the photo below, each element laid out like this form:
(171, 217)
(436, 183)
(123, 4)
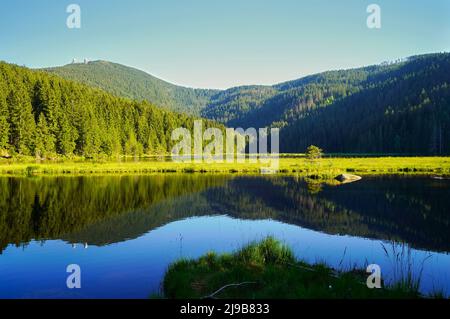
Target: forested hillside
(400, 107)
(232, 105)
(239, 106)
(291, 100)
(135, 84)
(44, 115)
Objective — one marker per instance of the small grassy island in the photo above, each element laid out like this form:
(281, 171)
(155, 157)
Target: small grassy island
(269, 270)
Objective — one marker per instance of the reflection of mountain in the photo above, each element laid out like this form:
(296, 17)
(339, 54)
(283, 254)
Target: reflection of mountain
(412, 210)
(50, 208)
(134, 224)
(105, 210)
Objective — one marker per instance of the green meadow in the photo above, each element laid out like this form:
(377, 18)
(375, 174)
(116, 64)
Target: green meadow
(320, 168)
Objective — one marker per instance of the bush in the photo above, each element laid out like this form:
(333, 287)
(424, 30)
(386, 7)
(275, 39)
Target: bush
(313, 152)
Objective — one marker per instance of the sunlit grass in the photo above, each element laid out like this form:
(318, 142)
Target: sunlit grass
(268, 270)
(323, 168)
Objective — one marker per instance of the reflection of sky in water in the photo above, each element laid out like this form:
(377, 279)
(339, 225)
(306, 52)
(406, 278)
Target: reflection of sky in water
(135, 268)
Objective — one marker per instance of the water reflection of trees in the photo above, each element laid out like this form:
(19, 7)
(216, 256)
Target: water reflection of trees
(412, 210)
(103, 210)
(384, 209)
(47, 208)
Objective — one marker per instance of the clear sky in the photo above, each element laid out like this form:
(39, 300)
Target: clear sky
(219, 44)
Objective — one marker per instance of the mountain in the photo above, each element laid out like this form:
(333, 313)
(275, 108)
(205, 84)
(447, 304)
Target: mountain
(233, 105)
(281, 104)
(400, 107)
(44, 115)
(238, 106)
(134, 84)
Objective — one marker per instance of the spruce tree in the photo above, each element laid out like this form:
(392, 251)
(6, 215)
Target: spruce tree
(21, 120)
(44, 144)
(4, 125)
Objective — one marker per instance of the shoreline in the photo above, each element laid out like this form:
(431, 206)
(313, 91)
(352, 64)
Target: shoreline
(325, 168)
(320, 169)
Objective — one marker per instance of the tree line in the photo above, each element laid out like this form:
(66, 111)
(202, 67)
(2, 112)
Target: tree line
(404, 110)
(45, 116)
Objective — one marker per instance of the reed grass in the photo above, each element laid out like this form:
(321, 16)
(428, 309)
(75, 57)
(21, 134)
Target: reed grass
(268, 269)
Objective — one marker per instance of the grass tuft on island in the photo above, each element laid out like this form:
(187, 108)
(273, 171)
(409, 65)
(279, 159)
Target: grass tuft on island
(324, 168)
(268, 269)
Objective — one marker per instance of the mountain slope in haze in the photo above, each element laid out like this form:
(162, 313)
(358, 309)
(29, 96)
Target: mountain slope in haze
(134, 84)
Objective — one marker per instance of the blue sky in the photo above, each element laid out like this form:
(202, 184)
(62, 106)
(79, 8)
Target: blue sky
(220, 44)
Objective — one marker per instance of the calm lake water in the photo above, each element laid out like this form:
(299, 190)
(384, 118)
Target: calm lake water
(124, 231)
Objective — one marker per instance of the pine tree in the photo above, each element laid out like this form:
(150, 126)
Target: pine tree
(44, 144)
(21, 120)
(90, 137)
(4, 125)
(66, 138)
(152, 142)
(47, 103)
(132, 146)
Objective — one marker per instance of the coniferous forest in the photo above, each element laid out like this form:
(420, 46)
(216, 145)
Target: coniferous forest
(395, 108)
(400, 107)
(214, 151)
(43, 115)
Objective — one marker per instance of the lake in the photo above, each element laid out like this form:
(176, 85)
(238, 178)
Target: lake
(123, 231)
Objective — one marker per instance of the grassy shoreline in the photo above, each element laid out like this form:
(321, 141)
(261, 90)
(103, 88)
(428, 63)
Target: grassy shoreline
(323, 168)
(269, 270)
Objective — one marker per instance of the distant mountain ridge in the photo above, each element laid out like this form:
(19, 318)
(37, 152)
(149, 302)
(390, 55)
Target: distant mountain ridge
(135, 84)
(399, 108)
(395, 107)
